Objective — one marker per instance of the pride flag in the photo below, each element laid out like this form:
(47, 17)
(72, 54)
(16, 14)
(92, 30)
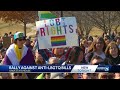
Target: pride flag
(58, 40)
(45, 15)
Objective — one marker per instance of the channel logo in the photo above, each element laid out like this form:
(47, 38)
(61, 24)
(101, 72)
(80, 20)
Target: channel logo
(106, 68)
(102, 69)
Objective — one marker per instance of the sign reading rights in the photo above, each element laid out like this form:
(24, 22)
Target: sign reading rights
(57, 32)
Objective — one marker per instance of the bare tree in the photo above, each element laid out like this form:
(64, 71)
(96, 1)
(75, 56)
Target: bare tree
(19, 16)
(105, 20)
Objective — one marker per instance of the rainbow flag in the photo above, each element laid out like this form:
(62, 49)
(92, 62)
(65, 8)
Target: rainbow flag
(58, 40)
(46, 15)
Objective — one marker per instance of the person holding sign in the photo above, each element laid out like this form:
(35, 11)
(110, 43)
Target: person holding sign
(113, 54)
(45, 53)
(57, 33)
(60, 54)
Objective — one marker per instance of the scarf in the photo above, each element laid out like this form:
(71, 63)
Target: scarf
(18, 52)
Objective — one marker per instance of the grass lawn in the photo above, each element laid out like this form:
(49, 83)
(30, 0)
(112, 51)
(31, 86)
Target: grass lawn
(6, 28)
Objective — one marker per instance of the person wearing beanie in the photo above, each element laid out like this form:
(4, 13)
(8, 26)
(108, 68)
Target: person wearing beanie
(18, 53)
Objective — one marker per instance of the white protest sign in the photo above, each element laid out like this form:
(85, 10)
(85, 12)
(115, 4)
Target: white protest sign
(57, 32)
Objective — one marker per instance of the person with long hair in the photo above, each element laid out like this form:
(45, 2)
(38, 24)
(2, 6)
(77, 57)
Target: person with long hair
(118, 41)
(75, 56)
(97, 48)
(113, 54)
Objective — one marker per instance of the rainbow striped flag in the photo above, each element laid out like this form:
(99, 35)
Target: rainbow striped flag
(46, 15)
(58, 40)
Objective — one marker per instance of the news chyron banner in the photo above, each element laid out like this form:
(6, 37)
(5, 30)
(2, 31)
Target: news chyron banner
(59, 68)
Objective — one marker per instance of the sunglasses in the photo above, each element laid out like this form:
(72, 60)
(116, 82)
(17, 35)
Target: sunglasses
(21, 39)
(15, 74)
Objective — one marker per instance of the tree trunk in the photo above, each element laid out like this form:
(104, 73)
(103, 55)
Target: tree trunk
(80, 27)
(61, 13)
(104, 28)
(109, 23)
(25, 28)
(87, 32)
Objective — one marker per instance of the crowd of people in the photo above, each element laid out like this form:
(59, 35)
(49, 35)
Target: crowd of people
(99, 50)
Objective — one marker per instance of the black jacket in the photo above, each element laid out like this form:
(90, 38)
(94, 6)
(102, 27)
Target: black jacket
(112, 61)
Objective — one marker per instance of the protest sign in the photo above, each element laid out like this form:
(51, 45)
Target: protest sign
(57, 32)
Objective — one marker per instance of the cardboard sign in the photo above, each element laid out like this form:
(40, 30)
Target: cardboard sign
(58, 32)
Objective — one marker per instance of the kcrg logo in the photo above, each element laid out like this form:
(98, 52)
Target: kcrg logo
(106, 68)
(102, 69)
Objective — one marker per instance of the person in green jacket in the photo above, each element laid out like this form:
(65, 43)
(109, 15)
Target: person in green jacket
(44, 76)
(41, 76)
